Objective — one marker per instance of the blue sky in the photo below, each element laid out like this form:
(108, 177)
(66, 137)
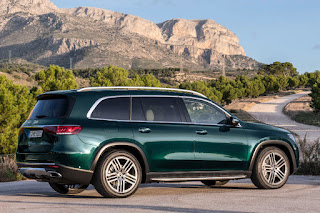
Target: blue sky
(269, 30)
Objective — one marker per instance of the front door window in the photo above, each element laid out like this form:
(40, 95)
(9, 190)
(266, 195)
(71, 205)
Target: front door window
(203, 113)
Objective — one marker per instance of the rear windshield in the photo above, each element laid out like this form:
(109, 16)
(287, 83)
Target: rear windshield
(50, 108)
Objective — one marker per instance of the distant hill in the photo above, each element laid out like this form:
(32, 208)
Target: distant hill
(38, 31)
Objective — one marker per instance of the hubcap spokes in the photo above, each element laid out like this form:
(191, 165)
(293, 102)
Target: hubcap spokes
(274, 168)
(121, 174)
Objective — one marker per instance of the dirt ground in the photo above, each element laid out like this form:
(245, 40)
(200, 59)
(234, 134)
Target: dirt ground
(299, 105)
(247, 103)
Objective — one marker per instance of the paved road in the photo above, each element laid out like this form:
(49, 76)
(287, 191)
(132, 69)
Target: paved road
(270, 112)
(300, 194)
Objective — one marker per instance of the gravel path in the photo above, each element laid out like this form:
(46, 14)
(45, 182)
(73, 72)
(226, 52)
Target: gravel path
(270, 112)
(300, 194)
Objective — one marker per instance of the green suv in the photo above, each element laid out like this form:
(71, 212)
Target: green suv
(118, 137)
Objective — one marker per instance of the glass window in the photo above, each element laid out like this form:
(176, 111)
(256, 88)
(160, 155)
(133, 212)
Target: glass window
(156, 109)
(137, 112)
(113, 108)
(202, 112)
(50, 108)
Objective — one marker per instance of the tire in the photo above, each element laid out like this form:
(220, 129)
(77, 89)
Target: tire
(214, 182)
(271, 169)
(123, 172)
(68, 189)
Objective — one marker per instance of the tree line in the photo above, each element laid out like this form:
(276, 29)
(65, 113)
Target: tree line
(17, 101)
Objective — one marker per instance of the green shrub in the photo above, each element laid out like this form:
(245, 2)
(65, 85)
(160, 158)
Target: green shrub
(315, 95)
(15, 104)
(56, 78)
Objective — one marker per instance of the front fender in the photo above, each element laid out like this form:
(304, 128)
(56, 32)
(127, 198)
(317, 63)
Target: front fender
(285, 146)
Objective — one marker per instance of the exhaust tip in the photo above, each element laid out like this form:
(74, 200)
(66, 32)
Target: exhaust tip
(54, 174)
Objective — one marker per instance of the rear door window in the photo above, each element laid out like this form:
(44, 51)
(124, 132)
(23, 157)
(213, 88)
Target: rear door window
(161, 109)
(50, 108)
(113, 109)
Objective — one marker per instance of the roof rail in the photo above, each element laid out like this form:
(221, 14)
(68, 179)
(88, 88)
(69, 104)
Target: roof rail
(143, 88)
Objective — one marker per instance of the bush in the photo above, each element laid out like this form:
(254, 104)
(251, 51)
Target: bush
(315, 95)
(15, 104)
(56, 78)
(310, 154)
(116, 76)
(9, 169)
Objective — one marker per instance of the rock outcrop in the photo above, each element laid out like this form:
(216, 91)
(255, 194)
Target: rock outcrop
(27, 6)
(39, 31)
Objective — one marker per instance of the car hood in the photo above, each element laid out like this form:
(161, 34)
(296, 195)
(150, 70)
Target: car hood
(260, 126)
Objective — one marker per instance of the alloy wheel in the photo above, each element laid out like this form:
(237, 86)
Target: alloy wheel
(121, 174)
(274, 168)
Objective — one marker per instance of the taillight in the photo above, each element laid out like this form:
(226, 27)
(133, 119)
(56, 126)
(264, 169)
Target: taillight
(63, 130)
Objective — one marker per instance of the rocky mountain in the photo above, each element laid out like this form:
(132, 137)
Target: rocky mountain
(38, 31)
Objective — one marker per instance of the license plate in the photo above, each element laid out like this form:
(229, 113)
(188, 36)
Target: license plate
(35, 134)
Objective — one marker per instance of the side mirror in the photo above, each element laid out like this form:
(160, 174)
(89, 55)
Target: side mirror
(233, 121)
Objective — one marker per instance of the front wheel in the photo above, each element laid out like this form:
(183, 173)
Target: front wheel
(271, 169)
(68, 188)
(118, 174)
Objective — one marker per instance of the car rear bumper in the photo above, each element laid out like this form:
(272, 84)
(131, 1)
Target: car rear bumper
(50, 172)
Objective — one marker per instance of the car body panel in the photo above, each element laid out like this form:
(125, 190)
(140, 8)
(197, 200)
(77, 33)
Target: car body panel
(222, 148)
(169, 147)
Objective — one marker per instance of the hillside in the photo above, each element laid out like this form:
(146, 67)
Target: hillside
(38, 31)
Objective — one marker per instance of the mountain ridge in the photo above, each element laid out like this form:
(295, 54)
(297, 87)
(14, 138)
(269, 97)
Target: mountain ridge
(109, 36)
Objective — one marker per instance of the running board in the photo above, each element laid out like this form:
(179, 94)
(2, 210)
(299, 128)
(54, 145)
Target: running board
(196, 176)
(199, 178)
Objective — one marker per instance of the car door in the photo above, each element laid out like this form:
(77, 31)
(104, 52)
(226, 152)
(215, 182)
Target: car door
(160, 127)
(218, 146)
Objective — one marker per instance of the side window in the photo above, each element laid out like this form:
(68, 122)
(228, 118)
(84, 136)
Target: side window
(113, 108)
(202, 112)
(155, 109)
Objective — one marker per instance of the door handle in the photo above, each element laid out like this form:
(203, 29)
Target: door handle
(202, 132)
(144, 130)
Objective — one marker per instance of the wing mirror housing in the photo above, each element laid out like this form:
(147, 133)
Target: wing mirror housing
(233, 121)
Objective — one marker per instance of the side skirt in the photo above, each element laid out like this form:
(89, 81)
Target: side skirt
(196, 175)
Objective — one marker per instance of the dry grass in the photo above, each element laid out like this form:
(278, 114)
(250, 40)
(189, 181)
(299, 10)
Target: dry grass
(247, 103)
(9, 169)
(310, 155)
(300, 111)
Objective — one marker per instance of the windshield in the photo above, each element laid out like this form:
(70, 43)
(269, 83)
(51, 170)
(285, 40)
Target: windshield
(50, 108)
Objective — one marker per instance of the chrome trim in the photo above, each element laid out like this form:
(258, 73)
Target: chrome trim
(36, 164)
(38, 173)
(142, 88)
(54, 174)
(199, 178)
(160, 122)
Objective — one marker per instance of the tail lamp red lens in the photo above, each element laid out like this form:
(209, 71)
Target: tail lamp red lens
(63, 130)
(54, 167)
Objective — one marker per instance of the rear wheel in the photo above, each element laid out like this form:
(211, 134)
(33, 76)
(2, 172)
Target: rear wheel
(118, 174)
(271, 169)
(68, 188)
(214, 182)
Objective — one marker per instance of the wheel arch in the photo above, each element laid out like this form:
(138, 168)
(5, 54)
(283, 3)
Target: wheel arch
(284, 146)
(128, 146)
